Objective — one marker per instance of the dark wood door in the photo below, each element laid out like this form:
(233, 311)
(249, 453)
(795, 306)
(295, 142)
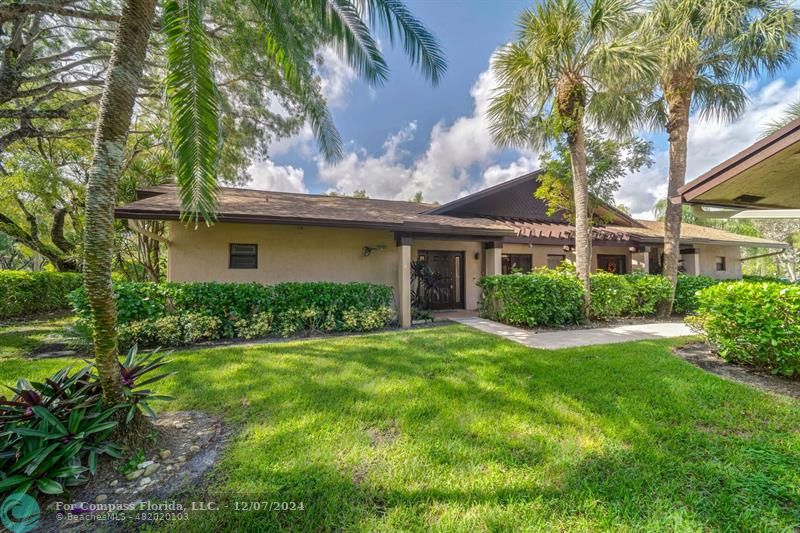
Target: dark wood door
(612, 263)
(448, 267)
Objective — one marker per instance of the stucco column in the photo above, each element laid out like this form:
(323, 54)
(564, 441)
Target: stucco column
(646, 260)
(493, 251)
(404, 281)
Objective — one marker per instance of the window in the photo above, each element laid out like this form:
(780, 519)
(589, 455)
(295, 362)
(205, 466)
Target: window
(517, 263)
(720, 263)
(554, 260)
(243, 256)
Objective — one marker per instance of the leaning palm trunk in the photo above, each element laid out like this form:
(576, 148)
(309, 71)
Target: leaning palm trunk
(580, 189)
(116, 109)
(678, 101)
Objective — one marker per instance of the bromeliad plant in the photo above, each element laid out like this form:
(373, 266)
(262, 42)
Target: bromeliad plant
(52, 433)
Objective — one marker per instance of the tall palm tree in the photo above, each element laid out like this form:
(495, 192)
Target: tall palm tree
(707, 50)
(573, 65)
(345, 25)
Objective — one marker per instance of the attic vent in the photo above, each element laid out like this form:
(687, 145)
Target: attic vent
(748, 198)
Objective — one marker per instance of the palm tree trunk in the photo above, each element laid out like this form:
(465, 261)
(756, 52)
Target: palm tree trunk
(580, 187)
(116, 108)
(678, 101)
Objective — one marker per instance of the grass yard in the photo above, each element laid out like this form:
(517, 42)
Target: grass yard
(18, 339)
(454, 430)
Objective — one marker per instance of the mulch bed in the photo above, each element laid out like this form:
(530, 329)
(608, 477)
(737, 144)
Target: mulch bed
(703, 356)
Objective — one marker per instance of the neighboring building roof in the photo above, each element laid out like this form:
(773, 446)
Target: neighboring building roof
(764, 175)
(653, 232)
(247, 205)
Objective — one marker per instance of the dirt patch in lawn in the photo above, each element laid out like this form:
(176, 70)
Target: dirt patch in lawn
(703, 356)
(185, 446)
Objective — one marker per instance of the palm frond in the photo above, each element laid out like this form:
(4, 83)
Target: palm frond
(419, 44)
(791, 113)
(192, 100)
(294, 61)
(718, 100)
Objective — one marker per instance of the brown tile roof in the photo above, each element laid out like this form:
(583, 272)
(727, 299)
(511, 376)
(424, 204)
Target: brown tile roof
(653, 231)
(247, 205)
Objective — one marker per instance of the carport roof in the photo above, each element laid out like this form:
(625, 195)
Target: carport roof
(763, 176)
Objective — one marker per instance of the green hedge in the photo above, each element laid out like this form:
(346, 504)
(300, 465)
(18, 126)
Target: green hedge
(540, 299)
(170, 314)
(686, 292)
(755, 323)
(27, 293)
(554, 298)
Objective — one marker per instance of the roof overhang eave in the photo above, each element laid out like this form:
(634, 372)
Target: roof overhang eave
(405, 226)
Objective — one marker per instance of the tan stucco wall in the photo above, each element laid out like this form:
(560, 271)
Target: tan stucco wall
(293, 253)
(708, 261)
(285, 253)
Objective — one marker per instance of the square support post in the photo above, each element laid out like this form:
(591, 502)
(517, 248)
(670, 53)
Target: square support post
(494, 257)
(404, 281)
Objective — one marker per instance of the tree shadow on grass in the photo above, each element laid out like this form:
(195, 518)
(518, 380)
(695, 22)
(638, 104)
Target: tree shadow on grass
(621, 436)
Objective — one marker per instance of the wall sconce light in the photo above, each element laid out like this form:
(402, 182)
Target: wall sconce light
(367, 250)
(568, 248)
(477, 256)
(633, 249)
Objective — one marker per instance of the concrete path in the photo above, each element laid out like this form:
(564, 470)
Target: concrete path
(570, 338)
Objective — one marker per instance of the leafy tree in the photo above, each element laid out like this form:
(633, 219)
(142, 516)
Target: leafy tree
(572, 65)
(192, 94)
(707, 50)
(607, 161)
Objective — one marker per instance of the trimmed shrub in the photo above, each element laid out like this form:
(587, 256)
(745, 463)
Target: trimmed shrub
(612, 295)
(554, 297)
(539, 299)
(648, 292)
(27, 293)
(756, 323)
(172, 314)
(686, 292)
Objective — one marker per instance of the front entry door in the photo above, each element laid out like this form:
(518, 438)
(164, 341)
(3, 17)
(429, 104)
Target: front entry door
(611, 263)
(448, 267)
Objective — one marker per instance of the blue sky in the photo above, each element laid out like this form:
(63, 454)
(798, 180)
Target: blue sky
(407, 136)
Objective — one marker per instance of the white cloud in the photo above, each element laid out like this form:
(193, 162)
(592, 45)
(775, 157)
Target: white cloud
(496, 174)
(710, 143)
(337, 77)
(441, 173)
(268, 176)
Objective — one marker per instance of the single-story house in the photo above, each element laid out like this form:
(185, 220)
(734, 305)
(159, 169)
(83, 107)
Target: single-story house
(763, 176)
(270, 237)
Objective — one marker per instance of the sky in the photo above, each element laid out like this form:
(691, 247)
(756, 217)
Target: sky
(406, 136)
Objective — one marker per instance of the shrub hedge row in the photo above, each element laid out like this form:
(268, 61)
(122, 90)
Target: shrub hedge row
(554, 297)
(27, 293)
(171, 314)
(755, 323)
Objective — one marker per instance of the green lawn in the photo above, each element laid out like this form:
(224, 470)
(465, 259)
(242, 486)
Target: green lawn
(18, 339)
(451, 429)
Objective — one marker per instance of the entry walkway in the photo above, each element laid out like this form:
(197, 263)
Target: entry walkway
(570, 338)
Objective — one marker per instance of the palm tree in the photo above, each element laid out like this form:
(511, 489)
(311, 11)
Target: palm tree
(572, 65)
(345, 25)
(707, 50)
